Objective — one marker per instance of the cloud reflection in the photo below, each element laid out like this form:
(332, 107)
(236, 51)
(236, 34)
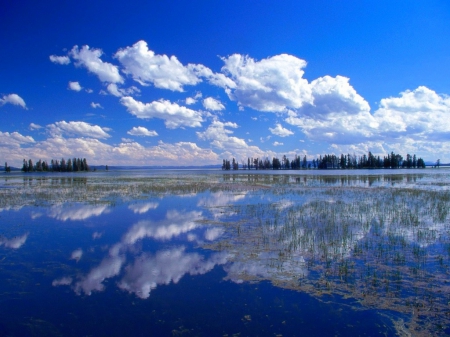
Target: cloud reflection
(173, 225)
(149, 270)
(165, 267)
(143, 208)
(108, 268)
(14, 243)
(77, 212)
(76, 255)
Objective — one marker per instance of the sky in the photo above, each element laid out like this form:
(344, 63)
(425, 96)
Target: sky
(196, 82)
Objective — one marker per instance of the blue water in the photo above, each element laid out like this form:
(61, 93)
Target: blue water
(143, 267)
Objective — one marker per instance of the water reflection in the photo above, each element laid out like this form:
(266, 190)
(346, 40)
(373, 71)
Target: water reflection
(143, 208)
(388, 248)
(78, 212)
(174, 224)
(15, 242)
(381, 240)
(149, 271)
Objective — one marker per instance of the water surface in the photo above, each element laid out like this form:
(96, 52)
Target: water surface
(210, 253)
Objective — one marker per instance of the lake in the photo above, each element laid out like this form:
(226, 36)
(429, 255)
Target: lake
(213, 253)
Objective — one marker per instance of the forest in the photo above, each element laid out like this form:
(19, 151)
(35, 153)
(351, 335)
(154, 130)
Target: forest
(71, 165)
(329, 161)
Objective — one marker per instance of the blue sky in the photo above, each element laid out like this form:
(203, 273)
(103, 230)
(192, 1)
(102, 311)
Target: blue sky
(191, 83)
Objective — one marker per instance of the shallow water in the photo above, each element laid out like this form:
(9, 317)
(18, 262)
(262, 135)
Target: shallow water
(208, 253)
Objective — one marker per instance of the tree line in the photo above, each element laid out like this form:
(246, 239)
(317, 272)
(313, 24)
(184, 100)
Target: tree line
(71, 165)
(328, 161)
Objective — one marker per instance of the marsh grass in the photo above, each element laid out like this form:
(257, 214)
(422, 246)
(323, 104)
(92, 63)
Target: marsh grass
(386, 247)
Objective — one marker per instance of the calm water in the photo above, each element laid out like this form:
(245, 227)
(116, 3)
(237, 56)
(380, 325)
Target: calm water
(202, 253)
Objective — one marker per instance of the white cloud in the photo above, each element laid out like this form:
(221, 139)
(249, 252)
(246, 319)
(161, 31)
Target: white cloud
(15, 147)
(420, 113)
(220, 138)
(114, 90)
(142, 131)
(14, 139)
(90, 59)
(63, 60)
(127, 140)
(212, 104)
(75, 86)
(96, 105)
(190, 101)
(174, 115)
(82, 129)
(35, 126)
(278, 130)
(337, 115)
(13, 99)
(145, 67)
(272, 84)
(277, 144)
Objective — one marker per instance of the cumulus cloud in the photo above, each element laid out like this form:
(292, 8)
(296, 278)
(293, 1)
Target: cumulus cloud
(145, 67)
(13, 99)
(75, 86)
(63, 60)
(212, 104)
(34, 126)
(272, 84)
(96, 105)
(82, 129)
(278, 130)
(190, 101)
(174, 115)
(337, 115)
(221, 138)
(277, 144)
(421, 112)
(142, 131)
(14, 139)
(99, 153)
(114, 90)
(90, 59)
